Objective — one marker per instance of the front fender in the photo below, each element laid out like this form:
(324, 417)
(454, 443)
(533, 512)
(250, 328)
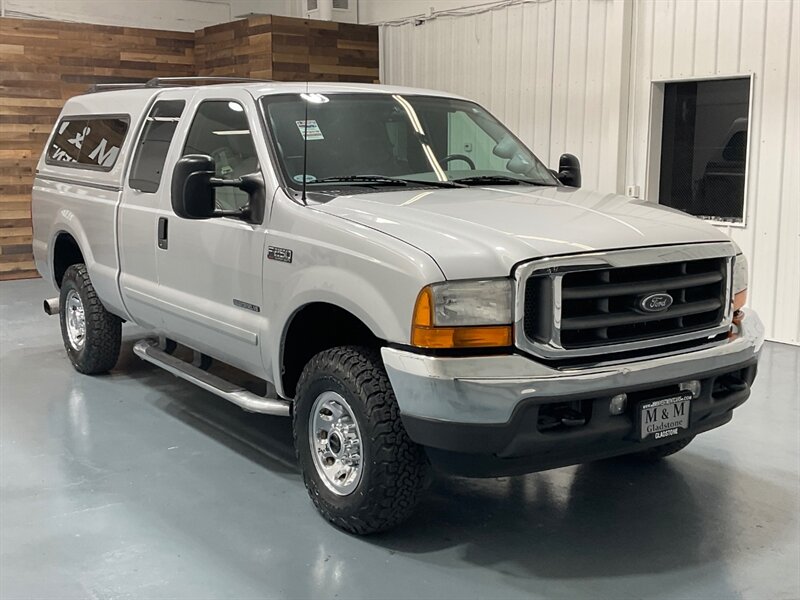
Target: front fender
(373, 276)
(385, 317)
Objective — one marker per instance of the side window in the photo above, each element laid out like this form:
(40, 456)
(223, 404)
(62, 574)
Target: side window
(220, 130)
(703, 148)
(88, 142)
(151, 152)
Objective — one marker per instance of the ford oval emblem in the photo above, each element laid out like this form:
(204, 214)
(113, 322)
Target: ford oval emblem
(653, 303)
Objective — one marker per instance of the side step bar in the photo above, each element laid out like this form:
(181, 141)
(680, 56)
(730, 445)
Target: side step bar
(148, 350)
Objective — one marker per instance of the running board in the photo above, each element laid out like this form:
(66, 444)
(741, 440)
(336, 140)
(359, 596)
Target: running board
(148, 350)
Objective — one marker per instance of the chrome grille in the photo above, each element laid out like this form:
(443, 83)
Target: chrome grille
(591, 304)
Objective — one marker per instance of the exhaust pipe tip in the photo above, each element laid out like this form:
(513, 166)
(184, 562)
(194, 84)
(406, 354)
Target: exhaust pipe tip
(50, 306)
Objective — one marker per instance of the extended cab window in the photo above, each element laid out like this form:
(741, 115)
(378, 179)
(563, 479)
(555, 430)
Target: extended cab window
(88, 142)
(151, 152)
(220, 130)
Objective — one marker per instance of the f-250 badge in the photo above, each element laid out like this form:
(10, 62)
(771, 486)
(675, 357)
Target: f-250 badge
(280, 254)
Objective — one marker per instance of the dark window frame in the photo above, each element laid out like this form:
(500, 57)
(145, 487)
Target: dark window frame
(656, 158)
(126, 118)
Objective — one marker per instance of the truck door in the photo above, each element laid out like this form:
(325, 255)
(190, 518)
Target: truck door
(210, 271)
(141, 212)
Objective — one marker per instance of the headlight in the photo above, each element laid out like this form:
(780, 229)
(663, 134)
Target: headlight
(739, 281)
(464, 314)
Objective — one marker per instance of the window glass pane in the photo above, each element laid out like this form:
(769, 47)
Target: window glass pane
(466, 139)
(92, 142)
(423, 138)
(704, 139)
(220, 130)
(148, 163)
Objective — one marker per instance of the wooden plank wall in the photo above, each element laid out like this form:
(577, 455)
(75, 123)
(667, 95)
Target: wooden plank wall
(42, 63)
(289, 49)
(237, 49)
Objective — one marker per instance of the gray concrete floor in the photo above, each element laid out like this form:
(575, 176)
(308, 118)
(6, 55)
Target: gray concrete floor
(139, 485)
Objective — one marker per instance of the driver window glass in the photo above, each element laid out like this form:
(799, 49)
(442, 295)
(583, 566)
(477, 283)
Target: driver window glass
(220, 129)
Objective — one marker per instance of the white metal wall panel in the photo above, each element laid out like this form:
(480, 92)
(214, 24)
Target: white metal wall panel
(180, 15)
(551, 71)
(675, 39)
(576, 76)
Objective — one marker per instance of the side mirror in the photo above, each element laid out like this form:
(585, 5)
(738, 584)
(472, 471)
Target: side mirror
(569, 170)
(193, 190)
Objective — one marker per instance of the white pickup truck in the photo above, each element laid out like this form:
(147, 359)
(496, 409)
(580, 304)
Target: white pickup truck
(404, 277)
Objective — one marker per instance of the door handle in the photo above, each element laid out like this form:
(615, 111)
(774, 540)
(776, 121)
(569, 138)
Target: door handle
(162, 232)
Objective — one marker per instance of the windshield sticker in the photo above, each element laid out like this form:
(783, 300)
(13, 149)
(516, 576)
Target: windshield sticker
(310, 130)
(309, 178)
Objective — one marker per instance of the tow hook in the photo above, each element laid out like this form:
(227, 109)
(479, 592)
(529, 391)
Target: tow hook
(562, 417)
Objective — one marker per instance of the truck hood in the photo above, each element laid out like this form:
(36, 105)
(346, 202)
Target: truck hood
(484, 232)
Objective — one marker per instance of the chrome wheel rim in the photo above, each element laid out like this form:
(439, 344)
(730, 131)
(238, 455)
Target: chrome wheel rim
(335, 443)
(76, 320)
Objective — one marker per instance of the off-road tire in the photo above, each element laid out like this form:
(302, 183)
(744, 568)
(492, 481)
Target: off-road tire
(394, 467)
(663, 451)
(101, 347)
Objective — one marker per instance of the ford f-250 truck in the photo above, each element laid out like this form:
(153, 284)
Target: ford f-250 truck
(405, 278)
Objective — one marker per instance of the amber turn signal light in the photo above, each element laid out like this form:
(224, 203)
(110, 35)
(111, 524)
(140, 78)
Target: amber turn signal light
(424, 334)
(739, 300)
(491, 336)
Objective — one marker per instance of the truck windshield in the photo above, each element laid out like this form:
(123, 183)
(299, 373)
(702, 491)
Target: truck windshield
(386, 140)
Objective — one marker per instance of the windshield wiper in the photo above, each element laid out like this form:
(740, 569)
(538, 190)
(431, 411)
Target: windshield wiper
(383, 180)
(495, 180)
(373, 179)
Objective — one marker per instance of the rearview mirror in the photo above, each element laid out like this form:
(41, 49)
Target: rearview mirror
(193, 190)
(569, 170)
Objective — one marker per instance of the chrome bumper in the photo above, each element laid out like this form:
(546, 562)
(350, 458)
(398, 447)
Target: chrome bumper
(485, 390)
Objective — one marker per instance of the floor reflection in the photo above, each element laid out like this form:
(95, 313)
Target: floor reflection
(608, 518)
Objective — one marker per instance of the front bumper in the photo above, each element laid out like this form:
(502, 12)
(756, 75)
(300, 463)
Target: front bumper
(480, 415)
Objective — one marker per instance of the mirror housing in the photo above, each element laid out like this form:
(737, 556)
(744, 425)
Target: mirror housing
(192, 192)
(193, 197)
(569, 170)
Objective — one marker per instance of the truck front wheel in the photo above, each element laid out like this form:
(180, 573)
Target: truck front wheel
(362, 471)
(92, 335)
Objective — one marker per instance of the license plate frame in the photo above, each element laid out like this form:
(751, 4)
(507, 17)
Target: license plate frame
(663, 417)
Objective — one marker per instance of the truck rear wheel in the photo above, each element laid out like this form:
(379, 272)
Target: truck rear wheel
(92, 335)
(360, 468)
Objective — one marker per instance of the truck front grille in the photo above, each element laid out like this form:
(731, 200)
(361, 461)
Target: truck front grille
(596, 308)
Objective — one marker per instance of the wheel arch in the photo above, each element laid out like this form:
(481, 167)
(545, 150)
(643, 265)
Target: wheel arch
(66, 252)
(314, 327)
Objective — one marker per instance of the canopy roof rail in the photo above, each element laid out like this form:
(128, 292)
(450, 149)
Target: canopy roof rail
(107, 87)
(157, 82)
(170, 81)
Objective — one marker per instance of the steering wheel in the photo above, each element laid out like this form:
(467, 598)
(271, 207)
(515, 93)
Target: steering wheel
(451, 157)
